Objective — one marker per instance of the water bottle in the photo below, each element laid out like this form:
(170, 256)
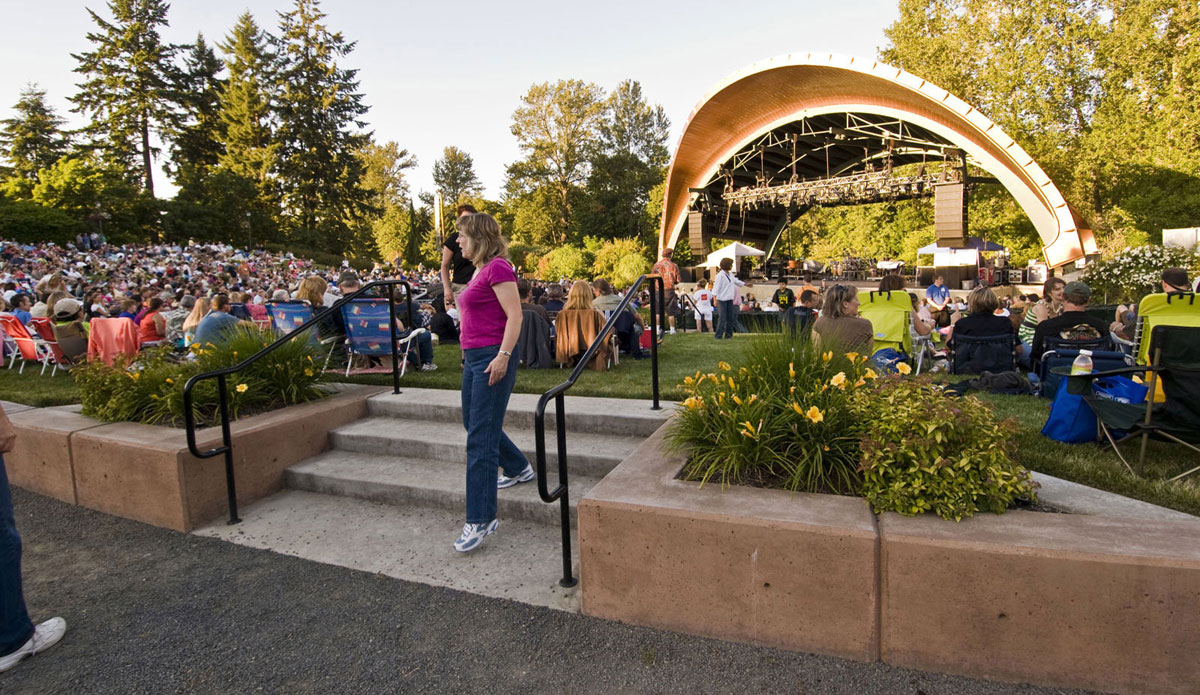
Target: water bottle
(1082, 363)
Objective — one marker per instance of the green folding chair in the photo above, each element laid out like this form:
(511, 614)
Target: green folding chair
(1175, 361)
(890, 314)
(1174, 309)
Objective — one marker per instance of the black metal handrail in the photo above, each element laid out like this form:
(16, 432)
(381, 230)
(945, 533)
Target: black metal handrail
(220, 375)
(557, 393)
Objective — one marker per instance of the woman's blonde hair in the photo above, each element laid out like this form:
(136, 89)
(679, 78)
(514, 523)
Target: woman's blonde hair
(54, 298)
(199, 311)
(835, 300)
(580, 296)
(312, 290)
(982, 300)
(484, 231)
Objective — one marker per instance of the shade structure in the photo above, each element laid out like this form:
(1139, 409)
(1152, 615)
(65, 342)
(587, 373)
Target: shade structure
(734, 251)
(832, 116)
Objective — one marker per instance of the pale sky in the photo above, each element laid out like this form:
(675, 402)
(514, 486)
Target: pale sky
(439, 73)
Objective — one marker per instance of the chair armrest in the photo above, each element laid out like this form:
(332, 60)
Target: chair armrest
(1112, 372)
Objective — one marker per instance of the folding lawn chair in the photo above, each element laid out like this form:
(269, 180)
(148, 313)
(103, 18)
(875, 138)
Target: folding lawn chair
(369, 334)
(1174, 309)
(30, 349)
(45, 329)
(109, 338)
(288, 316)
(975, 354)
(1175, 361)
(890, 314)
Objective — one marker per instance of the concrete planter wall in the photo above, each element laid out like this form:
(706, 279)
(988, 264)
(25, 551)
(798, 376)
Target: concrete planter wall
(146, 473)
(1101, 602)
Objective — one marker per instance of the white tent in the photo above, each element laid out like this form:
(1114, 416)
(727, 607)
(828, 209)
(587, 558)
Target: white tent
(735, 251)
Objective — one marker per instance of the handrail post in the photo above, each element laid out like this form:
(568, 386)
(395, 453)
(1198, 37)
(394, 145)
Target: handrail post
(227, 445)
(655, 304)
(395, 339)
(560, 423)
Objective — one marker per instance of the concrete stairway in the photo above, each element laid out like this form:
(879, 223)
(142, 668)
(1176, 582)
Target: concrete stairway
(412, 449)
(389, 495)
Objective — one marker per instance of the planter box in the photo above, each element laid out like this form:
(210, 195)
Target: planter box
(761, 566)
(1106, 601)
(145, 472)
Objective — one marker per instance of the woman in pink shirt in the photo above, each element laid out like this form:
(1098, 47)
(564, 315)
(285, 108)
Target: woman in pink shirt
(490, 313)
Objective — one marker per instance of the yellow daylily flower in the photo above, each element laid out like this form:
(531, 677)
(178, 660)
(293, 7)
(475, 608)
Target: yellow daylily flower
(308, 372)
(903, 368)
(796, 407)
(860, 382)
(851, 356)
(814, 413)
(170, 380)
(870, 374)
(791, 389)
(791, 370)
(737, 400)
(827, 356)
(723, 366)
(838, 379)
(688, 381)
(241, 388)
(751, 399)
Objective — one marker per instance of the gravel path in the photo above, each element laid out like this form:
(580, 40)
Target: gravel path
(153, 611)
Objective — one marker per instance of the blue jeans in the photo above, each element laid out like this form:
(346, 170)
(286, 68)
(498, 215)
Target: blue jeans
(725, 319)
(15, 626)
(424, 348)
(488, 448)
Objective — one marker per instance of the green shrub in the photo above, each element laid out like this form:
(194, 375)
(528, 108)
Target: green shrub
(783, 420)
(150, 389)
(27, 222)
(922, 451)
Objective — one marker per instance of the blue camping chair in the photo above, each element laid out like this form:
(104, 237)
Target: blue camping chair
(369, 334)
(288, 316)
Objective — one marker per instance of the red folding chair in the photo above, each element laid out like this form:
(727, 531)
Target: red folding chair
(29, 348)
(45, 329)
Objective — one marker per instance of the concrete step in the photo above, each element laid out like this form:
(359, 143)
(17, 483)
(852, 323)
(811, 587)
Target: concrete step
(406, 481)
(618, 416)
(522, 561)
(589, 454)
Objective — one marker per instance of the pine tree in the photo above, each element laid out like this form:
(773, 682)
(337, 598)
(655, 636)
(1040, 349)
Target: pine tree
(196, 142)
(33, 139)
(319, 133)
(128, 85)
(245, 103)
(454, 175)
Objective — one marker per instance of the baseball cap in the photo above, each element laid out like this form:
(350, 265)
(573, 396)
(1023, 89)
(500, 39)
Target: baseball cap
(66, 308)
(1077, 290)
(1177, 278)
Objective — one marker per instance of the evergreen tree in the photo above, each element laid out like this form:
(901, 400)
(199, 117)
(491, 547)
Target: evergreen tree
(318, 107)
(128, 85)
(630, 160)
(245, 105)
(33, 139)
(196, 141)
(454, 175)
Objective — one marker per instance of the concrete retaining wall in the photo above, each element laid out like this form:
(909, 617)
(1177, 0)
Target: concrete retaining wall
(1089, 601)
(146, 473)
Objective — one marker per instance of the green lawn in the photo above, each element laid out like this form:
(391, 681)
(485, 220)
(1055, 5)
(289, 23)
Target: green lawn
(683, 354)
(38, 391)
(679, 356)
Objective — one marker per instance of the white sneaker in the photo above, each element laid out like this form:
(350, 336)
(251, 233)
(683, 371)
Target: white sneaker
(672, 331)
(44, 636)
(523, 477)
(473, 535)
(428, 367)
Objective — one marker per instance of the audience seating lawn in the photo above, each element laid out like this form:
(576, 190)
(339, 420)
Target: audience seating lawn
(683, 354)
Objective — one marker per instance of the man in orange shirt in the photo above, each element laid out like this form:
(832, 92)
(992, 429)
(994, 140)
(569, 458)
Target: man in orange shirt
(670, 275)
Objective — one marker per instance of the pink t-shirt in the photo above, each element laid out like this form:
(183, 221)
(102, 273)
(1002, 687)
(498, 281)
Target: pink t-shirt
(479, 309)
